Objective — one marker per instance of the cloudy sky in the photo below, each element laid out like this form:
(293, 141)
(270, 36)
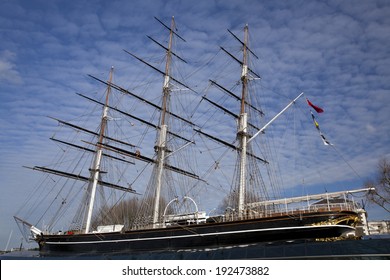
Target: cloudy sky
(337, 52)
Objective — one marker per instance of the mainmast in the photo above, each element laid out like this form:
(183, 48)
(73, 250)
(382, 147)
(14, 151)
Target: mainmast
(162, 137)
(242, 128)
(95, 169)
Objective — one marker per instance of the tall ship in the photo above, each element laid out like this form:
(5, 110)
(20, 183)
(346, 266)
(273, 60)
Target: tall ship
(139, 180)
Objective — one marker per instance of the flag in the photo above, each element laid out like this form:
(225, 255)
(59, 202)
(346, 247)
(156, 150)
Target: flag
(326, 142)
(315, 122)
(318, 109)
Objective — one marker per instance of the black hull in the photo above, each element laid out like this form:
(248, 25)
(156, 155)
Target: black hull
(209, 235)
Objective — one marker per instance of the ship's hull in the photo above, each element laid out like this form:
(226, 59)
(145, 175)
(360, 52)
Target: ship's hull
(209, 235)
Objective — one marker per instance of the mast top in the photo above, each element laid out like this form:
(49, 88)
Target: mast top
(171, 29)
(244, 44)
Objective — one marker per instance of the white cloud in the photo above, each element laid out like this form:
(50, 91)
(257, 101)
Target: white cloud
(8, 68)
(336, 52)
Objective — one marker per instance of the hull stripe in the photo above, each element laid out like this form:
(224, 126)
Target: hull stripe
(198, 235)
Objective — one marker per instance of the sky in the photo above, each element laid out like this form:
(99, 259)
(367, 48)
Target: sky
(337, 52)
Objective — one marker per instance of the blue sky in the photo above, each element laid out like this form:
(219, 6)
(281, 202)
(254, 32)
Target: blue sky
(337, 52)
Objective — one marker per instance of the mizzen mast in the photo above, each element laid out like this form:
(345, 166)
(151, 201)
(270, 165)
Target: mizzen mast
(242, 132)
(243, 126)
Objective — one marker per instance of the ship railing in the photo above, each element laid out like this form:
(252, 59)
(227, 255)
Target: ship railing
(266, 212)
(334, 201)
(280, 211)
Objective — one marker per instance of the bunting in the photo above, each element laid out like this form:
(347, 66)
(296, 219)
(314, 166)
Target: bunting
(318, 109)
(326, 142)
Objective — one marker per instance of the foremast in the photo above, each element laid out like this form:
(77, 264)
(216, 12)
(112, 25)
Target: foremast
(95, 170)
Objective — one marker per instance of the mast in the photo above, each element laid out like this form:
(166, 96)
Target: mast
(242, 128)
(162, 137)
(95, 169)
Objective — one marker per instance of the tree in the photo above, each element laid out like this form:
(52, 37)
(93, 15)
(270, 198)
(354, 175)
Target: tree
(381, 195)
(124, 212)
